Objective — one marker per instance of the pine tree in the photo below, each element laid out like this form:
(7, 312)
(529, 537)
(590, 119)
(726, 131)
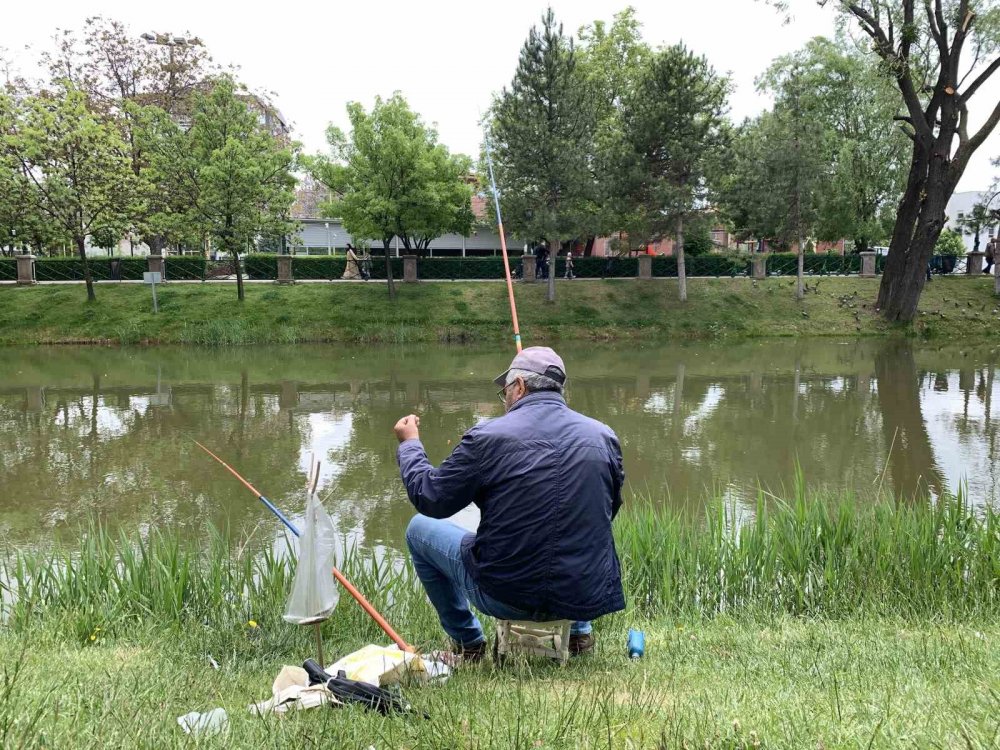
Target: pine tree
(542, 134)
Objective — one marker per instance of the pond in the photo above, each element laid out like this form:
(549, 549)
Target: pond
(107, 434)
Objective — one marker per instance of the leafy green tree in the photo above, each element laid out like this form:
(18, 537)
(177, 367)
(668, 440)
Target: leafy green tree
(777, 170)
(123, 76)
(843, 92)
(611, 60)
(939, 54)
(391, 178)
(542, 132)
(226, 174)
(675, 131)
(69, 165)
(949, 243)
(698, 236)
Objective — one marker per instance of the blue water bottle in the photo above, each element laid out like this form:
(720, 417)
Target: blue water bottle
(636, 643)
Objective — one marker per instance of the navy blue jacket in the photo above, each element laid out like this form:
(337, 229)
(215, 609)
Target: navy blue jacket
(548, 483)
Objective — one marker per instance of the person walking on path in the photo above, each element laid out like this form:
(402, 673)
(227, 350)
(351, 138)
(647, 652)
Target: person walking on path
(569, 265)
(991, 249)
(352, 269)
(547, 481)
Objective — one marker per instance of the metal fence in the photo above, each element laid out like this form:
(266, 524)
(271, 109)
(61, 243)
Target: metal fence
(264, 267)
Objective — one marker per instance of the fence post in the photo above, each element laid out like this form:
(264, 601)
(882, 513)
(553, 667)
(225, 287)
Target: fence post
(975, 263)
(26, 270)
(285, 269)
(527, 267)
(868, 265)
(645, 266)
(758, 267)
(409, 268)
(156, 265)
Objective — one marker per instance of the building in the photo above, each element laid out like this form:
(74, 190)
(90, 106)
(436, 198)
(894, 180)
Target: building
(325, 236)
(958, 208)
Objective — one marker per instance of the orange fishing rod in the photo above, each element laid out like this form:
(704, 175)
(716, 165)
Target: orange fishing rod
(358, 596)
(503, 247)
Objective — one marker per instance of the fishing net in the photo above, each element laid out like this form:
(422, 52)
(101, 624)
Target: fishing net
(314, 592)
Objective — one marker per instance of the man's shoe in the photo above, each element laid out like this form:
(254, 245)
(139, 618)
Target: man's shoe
(581, 644)
(469, 654)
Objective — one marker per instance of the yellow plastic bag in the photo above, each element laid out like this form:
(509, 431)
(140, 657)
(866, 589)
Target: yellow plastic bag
(381, 666)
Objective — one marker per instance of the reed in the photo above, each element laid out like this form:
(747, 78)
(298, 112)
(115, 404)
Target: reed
(814, 555)
(810, 555)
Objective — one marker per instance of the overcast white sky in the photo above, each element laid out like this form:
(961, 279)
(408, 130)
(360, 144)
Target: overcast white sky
(445, 57)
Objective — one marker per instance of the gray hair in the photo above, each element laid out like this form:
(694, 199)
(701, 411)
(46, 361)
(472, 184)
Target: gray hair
(533, 381)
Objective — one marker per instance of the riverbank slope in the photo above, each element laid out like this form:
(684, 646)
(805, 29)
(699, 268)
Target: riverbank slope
(620, 309)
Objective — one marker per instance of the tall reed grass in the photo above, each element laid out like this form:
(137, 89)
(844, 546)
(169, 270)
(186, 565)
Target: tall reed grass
(813, 555)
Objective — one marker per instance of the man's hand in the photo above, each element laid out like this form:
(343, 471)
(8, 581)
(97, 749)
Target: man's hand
(408, 428)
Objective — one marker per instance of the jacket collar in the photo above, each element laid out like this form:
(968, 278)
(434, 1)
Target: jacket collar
(538, 397)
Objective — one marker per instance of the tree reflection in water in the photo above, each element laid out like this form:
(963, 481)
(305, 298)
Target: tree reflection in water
(106, 434)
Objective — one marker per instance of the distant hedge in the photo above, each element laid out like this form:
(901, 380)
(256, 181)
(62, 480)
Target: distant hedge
(8, 269)
(65, 268)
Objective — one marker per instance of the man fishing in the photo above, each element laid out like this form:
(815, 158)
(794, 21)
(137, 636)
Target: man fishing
(548, 482)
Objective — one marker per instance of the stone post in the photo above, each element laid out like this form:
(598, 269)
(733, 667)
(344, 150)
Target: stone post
(868, 265)
(975, 263)
(409, 268)
(285, 269)
(156, 265)
(758, 267)
(528, 268)
(645, 266)
(26, 270)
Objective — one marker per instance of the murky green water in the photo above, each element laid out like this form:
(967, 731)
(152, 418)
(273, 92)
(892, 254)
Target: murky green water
(106, 433)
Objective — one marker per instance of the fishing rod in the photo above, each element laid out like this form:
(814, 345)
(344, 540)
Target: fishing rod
(503, 245)
(358, 596)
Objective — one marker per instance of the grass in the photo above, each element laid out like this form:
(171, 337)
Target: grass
(820, 622)
(618, 309)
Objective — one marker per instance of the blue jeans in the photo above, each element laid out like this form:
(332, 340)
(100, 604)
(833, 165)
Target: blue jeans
(436, 551)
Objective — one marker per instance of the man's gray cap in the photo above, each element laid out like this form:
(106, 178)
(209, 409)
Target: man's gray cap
(538, 359)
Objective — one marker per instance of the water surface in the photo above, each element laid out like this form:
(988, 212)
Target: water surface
(100, 433)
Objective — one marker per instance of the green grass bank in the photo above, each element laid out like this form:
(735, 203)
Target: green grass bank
(821, 622)
(619, 309)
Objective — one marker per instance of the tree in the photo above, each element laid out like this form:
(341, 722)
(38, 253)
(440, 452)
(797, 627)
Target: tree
(69, 165)
(392, 178)
(939, 53)
(949, 243)
(611, 60)
(844, 93)
(675, 131)
(226, 173)
(542, 132)
(122, 77)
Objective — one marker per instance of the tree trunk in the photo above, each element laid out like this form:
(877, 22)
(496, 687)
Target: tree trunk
(388, 268)
(800, 291)
(918, 227)
(81, 248)
(239, 276)
(550, 294)
(681, 270)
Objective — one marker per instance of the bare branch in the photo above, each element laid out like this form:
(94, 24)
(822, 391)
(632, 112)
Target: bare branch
(900, 66)
(980, 80)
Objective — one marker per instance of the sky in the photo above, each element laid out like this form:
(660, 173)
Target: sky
(447, 58)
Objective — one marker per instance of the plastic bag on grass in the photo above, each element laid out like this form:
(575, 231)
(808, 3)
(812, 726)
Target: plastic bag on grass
(314, 592)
